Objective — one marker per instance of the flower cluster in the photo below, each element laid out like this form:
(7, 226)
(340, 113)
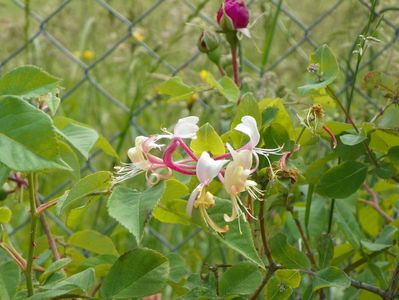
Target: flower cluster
(233, 168)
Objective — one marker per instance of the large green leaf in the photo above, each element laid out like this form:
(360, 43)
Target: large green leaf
(91, 184)
(224, 86)
(207, 140)
(133, 208)
(247, 107)
(171, 208)
(93, 241)
(27, 137)
(28, 81)
(287, 255)
(82, 138)
(9, 280)
(343, 180)
(241, 279)
(330, 277)
(78, 283)
(138, 273)
(239, 236)
(328, 69)
(345, 217)
(176, 88)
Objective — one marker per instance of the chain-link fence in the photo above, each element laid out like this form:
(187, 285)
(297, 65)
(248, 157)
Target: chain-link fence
(303, 26)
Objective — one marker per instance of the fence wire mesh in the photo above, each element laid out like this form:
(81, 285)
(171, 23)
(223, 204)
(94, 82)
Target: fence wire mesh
(303, 26)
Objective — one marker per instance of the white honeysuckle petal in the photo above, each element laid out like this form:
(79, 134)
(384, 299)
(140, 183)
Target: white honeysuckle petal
(186, 128)
(248, 126)
(192, 198)
(208, 168)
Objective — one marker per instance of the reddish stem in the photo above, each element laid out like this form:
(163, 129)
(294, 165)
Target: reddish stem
(168, 160)
(187, 149)
(332, 136)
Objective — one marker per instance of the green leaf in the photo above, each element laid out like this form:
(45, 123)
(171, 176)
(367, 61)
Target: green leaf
(54, 267)
(207, 140)
(285, 254)
(82, 138)
(328, 70)
(103, 144)
(330, 277)
(345, 217)
(248, 107)
(239, 236)
(177, 267)
(343, 180)
(27, 137)
(282, 116)
(268, 115)
(384, 139)
(352, 139)
(5, 215)
(174, 87)
(93, 241)
(275, 136)
(138, 273)
(9, 280)
(277, 290)
(291, 278)
(171, 208)
(241, 279)
(374, 246)
(370, 220)
(132, 208)
(78, 283)
(225, 86)
(28, 81)
(91, 184)
(325, 248)
(393, 155)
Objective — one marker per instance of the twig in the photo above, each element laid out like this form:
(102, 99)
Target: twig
(394, 285)
(272, 267)
(361, 261)
(368, 287)
(32, 202)
(375, 203)
(49, 235)
(305, 240)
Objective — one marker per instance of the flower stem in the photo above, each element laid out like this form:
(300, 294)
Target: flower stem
(32, 203)
(234, 59)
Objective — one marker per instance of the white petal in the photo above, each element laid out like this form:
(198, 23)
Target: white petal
(208, 168)
(245, 32)
(248, 126)
(186, 128)
(191, 200)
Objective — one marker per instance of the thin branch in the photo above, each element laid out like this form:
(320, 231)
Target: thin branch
(375, 203)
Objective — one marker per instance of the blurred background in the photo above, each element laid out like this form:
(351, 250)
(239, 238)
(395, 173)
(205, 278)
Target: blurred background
(113, 54)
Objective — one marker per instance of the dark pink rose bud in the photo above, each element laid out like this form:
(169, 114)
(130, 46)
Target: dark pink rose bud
(236, 11)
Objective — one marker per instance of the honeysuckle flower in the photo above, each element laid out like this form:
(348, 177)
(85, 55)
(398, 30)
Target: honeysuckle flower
(249, 127)
(206, 170)
(185, 128)
(236, 12)
(236, 181)
(143, 162)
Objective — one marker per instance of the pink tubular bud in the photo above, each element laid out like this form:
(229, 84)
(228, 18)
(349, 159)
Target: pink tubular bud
(236, 11)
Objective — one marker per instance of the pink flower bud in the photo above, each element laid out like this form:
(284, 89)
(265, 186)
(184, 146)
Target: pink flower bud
(236, 11)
